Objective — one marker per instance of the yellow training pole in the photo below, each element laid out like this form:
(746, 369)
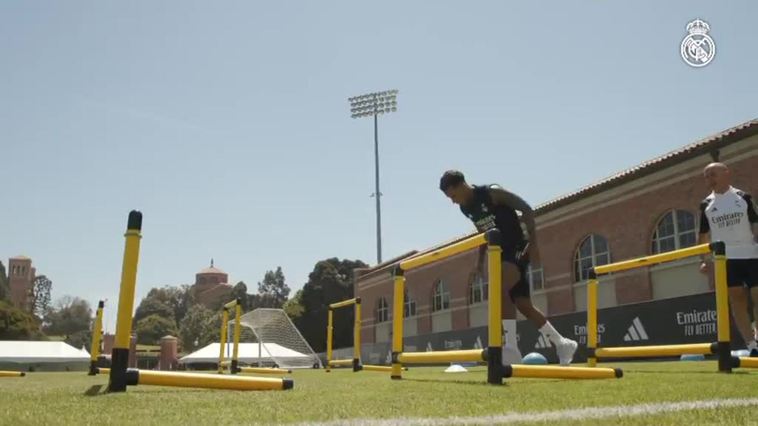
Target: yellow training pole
(344, 303)
(722, 307)
(12, 374)
(120, 354)
(436, 357)
(222, 343)
(655, 351)
(357, 336)
(397, 323)
(592, 319)
(237, 331)
(495, 332)
(258, 370)
(329, 331)
(97, 331)
(652, 260)
(556, 372)
(451, 250)
(206, 381)
(382, 368)
(745, 362)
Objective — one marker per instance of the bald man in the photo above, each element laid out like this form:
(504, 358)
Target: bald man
(730, 215)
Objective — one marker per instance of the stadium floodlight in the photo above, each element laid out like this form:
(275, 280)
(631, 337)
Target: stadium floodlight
(368, 105)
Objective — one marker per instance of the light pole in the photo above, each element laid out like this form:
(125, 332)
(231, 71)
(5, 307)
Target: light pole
(375, 104)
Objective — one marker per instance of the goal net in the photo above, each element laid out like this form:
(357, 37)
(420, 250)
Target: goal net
(268, 338)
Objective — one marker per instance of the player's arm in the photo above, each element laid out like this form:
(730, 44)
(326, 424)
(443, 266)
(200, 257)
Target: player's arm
(502, 197)
(752, 214)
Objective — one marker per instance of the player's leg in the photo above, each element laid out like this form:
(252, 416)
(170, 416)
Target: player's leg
(752, 284)
(510, 275)
(520, 294)
(737, 275)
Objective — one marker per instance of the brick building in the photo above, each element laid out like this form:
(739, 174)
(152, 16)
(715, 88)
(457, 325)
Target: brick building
(647, 209)
(21, 276)
(212, 287)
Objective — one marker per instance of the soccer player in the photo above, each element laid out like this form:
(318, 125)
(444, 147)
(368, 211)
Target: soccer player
(489, 207)
(729, 214)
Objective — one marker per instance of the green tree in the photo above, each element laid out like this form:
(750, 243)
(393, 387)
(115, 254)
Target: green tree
(153, 306)
(292, 307)
(273, 290)
(239, 292)
(41, 296)
(152, 328)
(200, 325)
(16, 324)
(330, 281)
(5, 290)
(70, 315)
(80, 339)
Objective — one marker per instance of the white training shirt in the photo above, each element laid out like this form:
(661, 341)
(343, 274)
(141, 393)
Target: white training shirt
(728, 217)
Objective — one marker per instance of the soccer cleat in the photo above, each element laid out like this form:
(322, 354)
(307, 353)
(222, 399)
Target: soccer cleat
(511, 355)
(566, 350)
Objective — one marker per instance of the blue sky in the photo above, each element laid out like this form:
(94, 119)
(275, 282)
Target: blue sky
(227, 123)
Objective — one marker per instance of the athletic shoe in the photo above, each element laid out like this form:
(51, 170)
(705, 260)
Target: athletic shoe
(566, 350)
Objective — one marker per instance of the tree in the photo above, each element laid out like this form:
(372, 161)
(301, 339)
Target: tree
(153, 306)
(239, 292)
(16, 324)
(70, 315)
(292, 307)
(5, 290)
(200, 325)
(80, 339)
(152, 328)
(330, 281)
(41, 296)
(273, 290)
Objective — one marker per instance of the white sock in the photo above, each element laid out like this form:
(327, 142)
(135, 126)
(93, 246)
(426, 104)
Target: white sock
(511, 337)
(551, 334)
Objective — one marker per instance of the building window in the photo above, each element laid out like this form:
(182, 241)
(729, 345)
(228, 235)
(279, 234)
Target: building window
(382, 310)
(593, 251)
(536, 280)
(440, 297)
(676, 230)
(478, 289)
(410, 306)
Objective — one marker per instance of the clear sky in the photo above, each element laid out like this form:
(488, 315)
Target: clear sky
(227, 123)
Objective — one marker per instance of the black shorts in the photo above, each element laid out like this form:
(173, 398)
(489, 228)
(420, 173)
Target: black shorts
(742, 272)
(521, 289)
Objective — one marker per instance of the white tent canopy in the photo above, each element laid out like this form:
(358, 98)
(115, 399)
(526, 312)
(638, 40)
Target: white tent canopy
(249, 353)
(39, 352)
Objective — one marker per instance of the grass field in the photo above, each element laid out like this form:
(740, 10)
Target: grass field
(363, 398)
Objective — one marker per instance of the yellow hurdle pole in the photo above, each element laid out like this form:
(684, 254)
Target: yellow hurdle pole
(341, 362)
(103, 371)
(381, 368)
(745, 362)
(357, 336)
(12, 374)
(206, 381)
(494, 354)
(722, 307)
(556, 372)
(592, 319)
(329, 337)
(120, 354)
(222, 340)
(436, 357)
(237, 331)
(652, 260)
(97, 331)
(344, 303)
(397, 323)
(437, 255)
(656, 351)
(258, 370)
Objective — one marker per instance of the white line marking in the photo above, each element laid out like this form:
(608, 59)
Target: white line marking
(559, 415)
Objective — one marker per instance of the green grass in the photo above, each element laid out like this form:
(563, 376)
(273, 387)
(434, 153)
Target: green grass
(62, 398)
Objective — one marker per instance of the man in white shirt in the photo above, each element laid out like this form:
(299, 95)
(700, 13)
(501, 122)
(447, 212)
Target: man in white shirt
(730, 215)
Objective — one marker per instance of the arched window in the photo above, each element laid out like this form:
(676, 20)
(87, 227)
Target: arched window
(382, 310)
(593, 251)
(409, 310)
(675, 230)
(440, 297)
(478, 289)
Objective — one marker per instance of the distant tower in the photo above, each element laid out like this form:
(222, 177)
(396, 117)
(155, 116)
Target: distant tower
(21, 281)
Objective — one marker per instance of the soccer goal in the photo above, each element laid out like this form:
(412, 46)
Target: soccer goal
(265, 341)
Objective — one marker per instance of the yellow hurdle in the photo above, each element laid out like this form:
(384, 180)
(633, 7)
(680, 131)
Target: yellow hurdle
(97, 332)
(258, 370)
(745, 362)
(356, 361)
(439, 357)
(12, 374)
(205, 381)
(721, 347)
(560, 372)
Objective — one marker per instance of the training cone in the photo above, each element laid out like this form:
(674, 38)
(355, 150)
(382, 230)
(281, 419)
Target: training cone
(534, 358)
(455, 368)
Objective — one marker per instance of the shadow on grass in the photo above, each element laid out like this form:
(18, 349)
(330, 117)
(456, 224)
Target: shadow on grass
(481, 383)
(679, 373)
(96, 390)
